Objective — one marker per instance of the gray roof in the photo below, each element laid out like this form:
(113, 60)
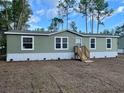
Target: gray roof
(29, 31)
(47, 33)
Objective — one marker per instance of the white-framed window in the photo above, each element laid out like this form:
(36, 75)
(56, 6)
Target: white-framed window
(78, 41)
(61, 43)
(92, 43)
(108, 43)
(27, 42)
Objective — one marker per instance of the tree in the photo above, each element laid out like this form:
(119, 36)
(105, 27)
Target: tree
(50, 28)
(55, 24)
(91, 11)
(83, 9)
(2, 41)
(21, 13)
(94, 9)
(102, 12)
(60, 21)
(119, 30)
(5, 14)
(73, 26)
(106, 32)
(16, 12)
(3, 44)
(61, 12)
(65, 5)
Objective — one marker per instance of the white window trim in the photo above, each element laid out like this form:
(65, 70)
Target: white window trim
(78, 38)
(106, 44)
(61, 43)
(22, 48)
(90, 44)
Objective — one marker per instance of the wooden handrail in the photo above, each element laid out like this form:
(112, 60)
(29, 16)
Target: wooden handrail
(86, 51)
(82, 52)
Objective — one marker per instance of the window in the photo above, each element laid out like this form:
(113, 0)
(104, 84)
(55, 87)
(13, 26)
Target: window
(64, 42)
(61, 43)
(93, 43)
(58, 42)
(27, 43)
(78, 41)
(108, 43)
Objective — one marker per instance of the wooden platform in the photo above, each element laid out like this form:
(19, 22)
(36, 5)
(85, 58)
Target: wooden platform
(82, 53)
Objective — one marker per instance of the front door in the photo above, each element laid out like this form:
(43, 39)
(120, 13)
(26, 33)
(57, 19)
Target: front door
(78, 41)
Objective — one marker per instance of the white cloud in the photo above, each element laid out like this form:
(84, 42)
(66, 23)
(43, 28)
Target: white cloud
(40, 12)
(34, 20)
(49, 8)
(120, 9)
(51, 13)
(33, 23)
(33, 27)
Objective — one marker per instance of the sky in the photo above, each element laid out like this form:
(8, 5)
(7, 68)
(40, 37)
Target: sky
(45, 10)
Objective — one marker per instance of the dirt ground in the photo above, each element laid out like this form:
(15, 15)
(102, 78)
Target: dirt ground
(70, 76)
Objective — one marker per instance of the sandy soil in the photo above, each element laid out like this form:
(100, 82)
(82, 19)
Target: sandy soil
(102, 76)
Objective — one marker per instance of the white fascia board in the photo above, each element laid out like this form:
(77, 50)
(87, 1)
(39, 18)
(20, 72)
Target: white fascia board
(106, 36)
(67, 31)
(16, 33)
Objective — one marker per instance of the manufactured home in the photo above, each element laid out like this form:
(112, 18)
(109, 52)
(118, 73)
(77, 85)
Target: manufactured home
(121, 44)
(28, 45)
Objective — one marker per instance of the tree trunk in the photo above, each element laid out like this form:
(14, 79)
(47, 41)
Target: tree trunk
(86, 24)
(58, 27)
(98, 23)
(19, 24)
(6, 14)
(19, 21)
(86, 19)
(62, 26)
(97, 27)
(92, 24)
(14, 20)
(67, 21)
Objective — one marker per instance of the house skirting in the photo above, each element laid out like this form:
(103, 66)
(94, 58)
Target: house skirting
(120, 50)
(53, 56)
(103, 54)
(39, 56)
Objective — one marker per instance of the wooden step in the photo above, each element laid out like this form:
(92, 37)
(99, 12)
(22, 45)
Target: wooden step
(82, 52)
(88, 61)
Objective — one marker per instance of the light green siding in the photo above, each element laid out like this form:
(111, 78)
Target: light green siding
(101, 45)
(121, 43)
(13, 43)
(45, 44)
(42, 44)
